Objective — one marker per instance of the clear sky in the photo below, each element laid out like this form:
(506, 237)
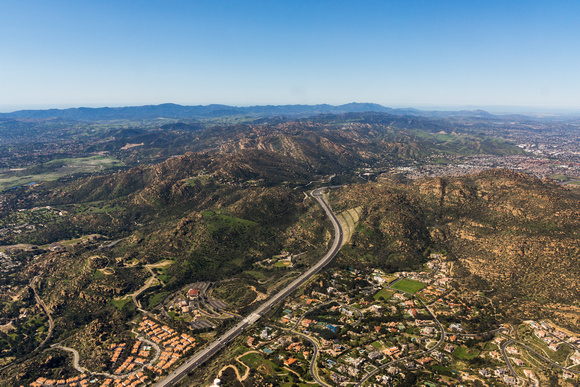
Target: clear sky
(397, 53)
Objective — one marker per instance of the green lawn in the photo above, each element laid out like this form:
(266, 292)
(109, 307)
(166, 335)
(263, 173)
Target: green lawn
(464, 353)
(156, 299)
(255, 361)
(489, 346)
(385, 294)
(408, 286)
(256, 274)
(217, 221)
(376, 345)
(174, 316)
(97, 208)
(121, 303)
(559, 177)
(162, 274)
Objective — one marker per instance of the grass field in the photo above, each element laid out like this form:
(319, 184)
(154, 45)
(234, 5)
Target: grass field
(56, 169)
(162, 274)
(157, 298)
(256, 274)
(408, 286)
(97, 208)
(121, 303)
(257, 362)
(376, 345)
(217, 221)
(559, 177)
(574, 182)
(385, 294)
(464, 353)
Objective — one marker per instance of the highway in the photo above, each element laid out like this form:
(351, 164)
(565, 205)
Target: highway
(201, 357)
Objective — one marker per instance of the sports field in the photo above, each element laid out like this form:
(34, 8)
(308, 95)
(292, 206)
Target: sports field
(408, 286)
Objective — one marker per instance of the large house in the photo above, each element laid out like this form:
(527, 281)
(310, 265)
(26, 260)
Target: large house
(193, 293)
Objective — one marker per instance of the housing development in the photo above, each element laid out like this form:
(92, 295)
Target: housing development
(350, 327)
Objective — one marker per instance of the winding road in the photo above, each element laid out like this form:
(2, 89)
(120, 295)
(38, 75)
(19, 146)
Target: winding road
(313, 368)
(441, 340)
(79, 368)
(507, 359)
(536, 354)
(213, 348)
(46, 311)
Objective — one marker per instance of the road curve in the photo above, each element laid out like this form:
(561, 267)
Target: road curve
(76, 357)
(540, 356)
(507, 359)
(423, 353)
(312, 367)
(46, 311)
(209, 351)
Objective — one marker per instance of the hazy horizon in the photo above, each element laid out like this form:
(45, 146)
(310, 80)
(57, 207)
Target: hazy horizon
(494, 109)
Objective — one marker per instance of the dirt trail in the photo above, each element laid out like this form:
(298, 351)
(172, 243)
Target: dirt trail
(160, 264)
(240, 379)
(50, 321)
(151, 281)
(259, 295)
(246, 374)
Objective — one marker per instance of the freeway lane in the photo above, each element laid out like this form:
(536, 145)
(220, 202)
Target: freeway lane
(174, 377)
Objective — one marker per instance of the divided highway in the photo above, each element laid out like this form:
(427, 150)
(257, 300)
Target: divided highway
(209, 351)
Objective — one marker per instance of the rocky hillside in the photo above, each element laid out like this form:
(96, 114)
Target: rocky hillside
(206, 218)
(337, 143)
(510, 234)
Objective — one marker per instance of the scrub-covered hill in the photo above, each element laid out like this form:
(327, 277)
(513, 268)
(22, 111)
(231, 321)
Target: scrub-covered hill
(508, 233)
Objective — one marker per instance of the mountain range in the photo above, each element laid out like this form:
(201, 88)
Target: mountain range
(170, 110)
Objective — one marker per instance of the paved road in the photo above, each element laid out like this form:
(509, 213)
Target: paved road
(75, 357)
(313, 370)
(45, 308)
(209, 351)
(506, 358)
(476, 335)
(358, 313)
(575, 347)
(541, 357)
(441, 340)
(78, 367)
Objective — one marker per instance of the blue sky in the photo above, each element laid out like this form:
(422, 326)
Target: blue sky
(396, 53)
